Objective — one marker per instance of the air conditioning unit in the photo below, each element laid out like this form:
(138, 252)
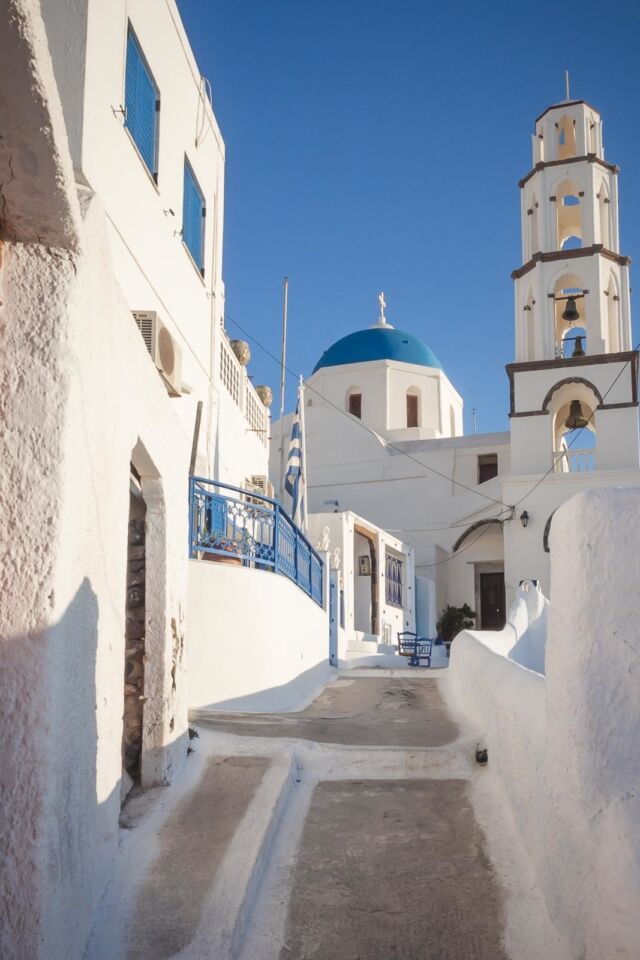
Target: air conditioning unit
(165, 352)
(258, 483)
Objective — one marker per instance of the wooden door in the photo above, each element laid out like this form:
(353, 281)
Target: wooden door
(492, 601)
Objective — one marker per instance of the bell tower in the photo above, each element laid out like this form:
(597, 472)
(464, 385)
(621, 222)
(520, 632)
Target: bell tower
(572, 310)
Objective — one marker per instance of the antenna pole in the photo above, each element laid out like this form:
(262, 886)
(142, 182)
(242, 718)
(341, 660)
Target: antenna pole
(474, 414)
(566, 85)
(283, 376)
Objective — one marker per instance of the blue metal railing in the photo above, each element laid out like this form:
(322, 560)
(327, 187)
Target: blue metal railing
(249, 528)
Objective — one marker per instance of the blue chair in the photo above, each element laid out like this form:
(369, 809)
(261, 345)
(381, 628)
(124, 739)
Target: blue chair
(415, 647)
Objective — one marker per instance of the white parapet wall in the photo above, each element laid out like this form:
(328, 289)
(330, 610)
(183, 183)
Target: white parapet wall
(255, 640)
(563, 748)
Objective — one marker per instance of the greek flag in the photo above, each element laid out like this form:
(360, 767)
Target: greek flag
(294, 481)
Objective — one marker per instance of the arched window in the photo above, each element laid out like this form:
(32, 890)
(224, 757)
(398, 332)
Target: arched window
(568, 216)
(532, 227)
(613, 316)
(354, 402)
(530, 325)
(566, 138)
(413, 407)
(604, 210)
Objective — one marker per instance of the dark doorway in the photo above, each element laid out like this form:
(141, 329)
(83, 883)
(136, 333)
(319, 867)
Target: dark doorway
(492, 601)
(134, 635)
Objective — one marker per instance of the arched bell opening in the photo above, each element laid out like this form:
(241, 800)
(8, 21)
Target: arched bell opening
(570, 310)
(574, 342)
(569, 211)
(566, 138)
(572, 405)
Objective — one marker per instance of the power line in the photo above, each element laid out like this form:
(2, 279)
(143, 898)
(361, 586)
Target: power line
(453, 556)
(578, 432)
(363, 426)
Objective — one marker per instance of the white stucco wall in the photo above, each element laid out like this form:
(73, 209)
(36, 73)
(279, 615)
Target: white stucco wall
(357, 637)
(563, 750)
(255, 640)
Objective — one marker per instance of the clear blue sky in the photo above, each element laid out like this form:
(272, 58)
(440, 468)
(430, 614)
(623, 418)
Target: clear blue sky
(371, 142)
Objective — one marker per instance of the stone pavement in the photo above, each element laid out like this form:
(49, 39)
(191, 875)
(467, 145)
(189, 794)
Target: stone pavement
(342, 832)
(363, 711)
(389, 870)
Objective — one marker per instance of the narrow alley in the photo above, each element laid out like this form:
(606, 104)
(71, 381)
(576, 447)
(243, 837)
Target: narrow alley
(342, 831)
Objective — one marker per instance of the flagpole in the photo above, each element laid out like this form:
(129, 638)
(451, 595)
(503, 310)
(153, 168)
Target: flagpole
(283, 375)
(304, 454)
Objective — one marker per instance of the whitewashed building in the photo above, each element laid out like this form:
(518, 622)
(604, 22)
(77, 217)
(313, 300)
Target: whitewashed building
(112, 310)
(384, 422)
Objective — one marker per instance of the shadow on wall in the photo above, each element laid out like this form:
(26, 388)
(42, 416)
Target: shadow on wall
(60, 856)
(81, 832)
(288, 697)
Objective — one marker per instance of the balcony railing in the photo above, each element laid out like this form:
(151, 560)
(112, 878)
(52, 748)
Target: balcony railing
(253, 530)
(574, 461)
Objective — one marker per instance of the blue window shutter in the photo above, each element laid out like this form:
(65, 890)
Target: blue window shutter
(193, 217)
(141, 101)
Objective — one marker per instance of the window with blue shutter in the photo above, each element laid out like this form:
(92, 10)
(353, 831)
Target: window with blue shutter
(193, 216)
(142, 104)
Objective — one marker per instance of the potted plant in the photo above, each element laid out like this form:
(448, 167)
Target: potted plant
(453, 620)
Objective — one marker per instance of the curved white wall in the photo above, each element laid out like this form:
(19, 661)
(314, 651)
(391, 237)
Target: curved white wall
(564, 749)
(255, 641)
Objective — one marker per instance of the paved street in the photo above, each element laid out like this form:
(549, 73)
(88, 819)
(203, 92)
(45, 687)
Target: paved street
(372, 862)
(364, 711)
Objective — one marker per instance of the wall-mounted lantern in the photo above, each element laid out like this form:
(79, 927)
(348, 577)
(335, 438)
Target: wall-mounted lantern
(524, 518)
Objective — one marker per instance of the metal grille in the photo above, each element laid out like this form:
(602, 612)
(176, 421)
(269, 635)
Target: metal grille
(254, 532)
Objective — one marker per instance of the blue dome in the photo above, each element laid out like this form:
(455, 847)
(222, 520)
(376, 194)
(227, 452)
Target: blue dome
(378, 343)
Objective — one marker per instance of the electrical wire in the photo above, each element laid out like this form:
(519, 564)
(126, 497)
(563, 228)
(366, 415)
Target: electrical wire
(555, 462)
(362, 425)
(440, 563)
(506, 507)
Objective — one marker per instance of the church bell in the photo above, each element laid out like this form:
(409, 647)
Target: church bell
(578, 349)
(570, 312)
(576, 418)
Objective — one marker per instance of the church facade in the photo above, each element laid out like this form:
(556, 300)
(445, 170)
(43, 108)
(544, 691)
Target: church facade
(384, 435)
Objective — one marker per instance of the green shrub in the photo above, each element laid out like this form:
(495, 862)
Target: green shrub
(453, 620)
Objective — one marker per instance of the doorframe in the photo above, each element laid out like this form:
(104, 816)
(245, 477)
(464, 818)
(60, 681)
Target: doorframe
(485, 566)
(334, 615)
(373, 553)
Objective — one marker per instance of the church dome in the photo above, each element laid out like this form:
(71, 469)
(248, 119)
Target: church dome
(380, 342)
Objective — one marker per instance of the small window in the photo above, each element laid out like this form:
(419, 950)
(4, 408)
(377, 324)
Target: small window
(193, 217)
(412, 410)
(355, 405)
(393, 577)
(487, 467)
(142, 105)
